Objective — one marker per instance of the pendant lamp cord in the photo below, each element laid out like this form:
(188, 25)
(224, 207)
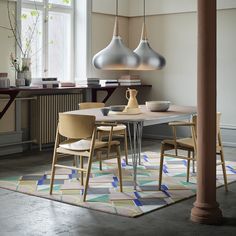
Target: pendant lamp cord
(116, 30)
(144, 11)
(144, 32)
(117, 7)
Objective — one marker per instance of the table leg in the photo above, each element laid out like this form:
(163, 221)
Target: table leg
(135, 146)
(130, 139)
(140, 140)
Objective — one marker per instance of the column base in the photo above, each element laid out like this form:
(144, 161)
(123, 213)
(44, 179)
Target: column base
(203, 213)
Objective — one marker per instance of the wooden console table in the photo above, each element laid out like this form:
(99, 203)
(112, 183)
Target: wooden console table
(27, 91)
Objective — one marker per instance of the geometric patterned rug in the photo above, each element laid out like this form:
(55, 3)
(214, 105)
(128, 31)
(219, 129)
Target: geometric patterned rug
(103, 193)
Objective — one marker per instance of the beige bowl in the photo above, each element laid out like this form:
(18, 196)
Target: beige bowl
(158, 105)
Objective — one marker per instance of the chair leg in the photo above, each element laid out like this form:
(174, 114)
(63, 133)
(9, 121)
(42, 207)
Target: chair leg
(161, 166)
(81, 163)
(87, 178)
(188, 165)
(193, 162)
(119, 168)
(53, 172)
(126, 147)
(75, 161)
(75, 164)
(99, 156)
(224, 170)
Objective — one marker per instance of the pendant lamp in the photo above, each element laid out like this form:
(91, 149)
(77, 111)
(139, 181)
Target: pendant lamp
(149, 59)
(116, 56)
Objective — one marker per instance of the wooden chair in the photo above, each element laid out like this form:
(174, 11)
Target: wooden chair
(118, 131)
(190, 145)
(80, 132)
(90, 105)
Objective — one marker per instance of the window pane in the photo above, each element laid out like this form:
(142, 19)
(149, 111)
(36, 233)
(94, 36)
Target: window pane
(59, 49)
(32, 39)
(61, 2)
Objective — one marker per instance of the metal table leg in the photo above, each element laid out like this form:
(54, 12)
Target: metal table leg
(140, 140)
(135, 146)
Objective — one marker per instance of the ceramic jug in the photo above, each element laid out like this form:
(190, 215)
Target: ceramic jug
(131, 96)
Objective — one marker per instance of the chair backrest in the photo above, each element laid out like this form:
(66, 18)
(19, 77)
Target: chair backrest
(218, 118)
(90, 105)
(218, 123)
(76, 126)
(194, 120)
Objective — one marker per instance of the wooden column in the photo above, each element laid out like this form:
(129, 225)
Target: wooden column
(206, 209)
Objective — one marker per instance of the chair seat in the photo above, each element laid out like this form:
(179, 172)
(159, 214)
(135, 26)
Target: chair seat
(84, 145)
(184, 143)
(108, 128)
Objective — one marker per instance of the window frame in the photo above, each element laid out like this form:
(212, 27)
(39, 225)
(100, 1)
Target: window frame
(45, 12)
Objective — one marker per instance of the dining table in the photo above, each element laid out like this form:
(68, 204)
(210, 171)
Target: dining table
(136, 122)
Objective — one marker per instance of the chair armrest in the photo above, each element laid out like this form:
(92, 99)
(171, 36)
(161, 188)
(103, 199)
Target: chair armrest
(106, 124)
(181, 123)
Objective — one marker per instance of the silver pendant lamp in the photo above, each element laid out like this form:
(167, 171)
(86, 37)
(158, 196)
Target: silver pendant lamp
(149, 59)
(116, 56)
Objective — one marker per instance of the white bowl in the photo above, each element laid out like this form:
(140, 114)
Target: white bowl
(158, 105)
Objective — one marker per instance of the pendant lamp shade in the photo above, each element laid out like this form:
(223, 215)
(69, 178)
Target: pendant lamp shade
(149, 59)
(116, 56)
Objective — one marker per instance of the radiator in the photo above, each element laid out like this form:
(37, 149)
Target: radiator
(44, 115)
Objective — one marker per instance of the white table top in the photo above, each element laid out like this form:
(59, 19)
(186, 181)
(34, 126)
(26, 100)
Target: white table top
(174, 113)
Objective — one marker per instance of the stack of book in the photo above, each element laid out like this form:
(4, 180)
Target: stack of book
(129, 80)
(107, 83)
(45, 82)
(67, 84)
(88, 82)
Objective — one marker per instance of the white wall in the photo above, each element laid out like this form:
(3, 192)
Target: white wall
(7, 46)
(154, 7)
(131, 8)
(175, 37)
(226, 66)
(168, 35)
(7, 42)
(109, 7)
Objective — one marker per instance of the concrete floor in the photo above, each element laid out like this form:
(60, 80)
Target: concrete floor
(21, 214)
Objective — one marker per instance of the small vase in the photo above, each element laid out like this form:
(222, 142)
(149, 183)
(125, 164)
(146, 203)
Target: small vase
(20, 81)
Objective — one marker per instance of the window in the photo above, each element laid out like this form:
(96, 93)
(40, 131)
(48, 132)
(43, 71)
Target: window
(51, 22)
